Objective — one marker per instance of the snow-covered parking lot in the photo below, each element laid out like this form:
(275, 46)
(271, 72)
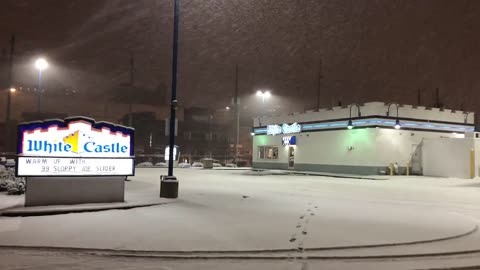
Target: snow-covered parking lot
(244, 214)
(226, 210)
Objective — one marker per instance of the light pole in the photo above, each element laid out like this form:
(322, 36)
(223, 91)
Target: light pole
(169, 183)
(130, 91)
(265, 95)
(10, 78)
(236, 103)
(40, 64)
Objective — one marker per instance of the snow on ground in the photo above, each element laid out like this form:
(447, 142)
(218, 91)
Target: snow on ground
(233, 210)
(14, 260)
(9, 201)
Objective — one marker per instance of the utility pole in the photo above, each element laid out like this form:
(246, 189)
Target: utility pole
(236, 102)
(10, 78)
(319, 84)
(131, 83)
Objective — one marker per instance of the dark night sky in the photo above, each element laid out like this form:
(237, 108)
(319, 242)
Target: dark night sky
(371, 50)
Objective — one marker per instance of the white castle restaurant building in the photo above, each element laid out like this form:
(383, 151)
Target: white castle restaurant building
(366, 139)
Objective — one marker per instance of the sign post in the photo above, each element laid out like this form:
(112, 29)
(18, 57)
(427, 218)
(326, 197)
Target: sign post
(76, 160)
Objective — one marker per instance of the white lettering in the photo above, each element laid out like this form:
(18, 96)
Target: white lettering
(293, 128)
(284, 129)
(274, 130)
(74, 167)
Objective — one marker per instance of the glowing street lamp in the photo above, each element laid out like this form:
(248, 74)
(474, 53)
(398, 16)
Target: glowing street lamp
(13, 90)
(40, 64)
(264, 95)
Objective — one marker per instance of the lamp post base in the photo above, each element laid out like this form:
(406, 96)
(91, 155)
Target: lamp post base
(168, 187)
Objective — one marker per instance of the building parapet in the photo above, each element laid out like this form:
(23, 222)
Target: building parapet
(370, 109)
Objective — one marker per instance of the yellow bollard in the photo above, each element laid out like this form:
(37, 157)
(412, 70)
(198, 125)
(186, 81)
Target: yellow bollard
(391, 168)
(472, 163)
(408, 167)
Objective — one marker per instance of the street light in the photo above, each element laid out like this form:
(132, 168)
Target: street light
(264, 95)
(13, 90)
(40, 64)
(169, 183)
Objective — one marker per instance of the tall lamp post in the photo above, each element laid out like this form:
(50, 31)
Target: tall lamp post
(40, 64)
(10, 79)
(169, 183)
(236, 103)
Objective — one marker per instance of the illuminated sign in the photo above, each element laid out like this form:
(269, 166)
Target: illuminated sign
(289, 140)
(274, 129)
(48, 166)
(284, 129)
(167, 152)
(74, 146)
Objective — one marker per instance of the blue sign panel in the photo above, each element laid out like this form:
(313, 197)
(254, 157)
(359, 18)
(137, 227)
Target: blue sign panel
(289, 140)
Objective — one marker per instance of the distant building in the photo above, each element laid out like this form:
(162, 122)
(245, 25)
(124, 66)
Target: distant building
(203, 135)
(322, 140)
(148, 120)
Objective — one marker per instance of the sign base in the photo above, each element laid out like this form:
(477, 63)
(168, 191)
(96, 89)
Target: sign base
(168, 187)
(41, 191)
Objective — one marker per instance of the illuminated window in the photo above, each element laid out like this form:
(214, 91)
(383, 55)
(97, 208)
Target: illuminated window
(261, 152)
(267, 152)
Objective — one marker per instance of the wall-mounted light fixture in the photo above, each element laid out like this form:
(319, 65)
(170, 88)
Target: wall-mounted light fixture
(397, 122)
(350, 122)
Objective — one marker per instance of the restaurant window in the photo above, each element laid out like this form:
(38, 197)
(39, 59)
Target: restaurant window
(267, 152)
